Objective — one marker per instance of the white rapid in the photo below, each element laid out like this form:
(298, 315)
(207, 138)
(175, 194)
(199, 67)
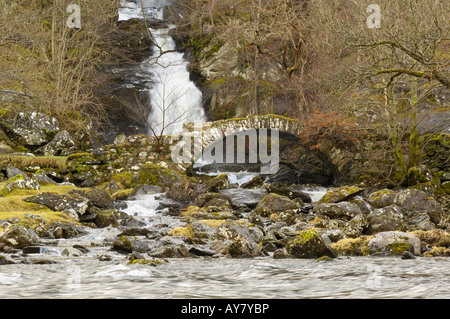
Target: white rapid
(174, 98)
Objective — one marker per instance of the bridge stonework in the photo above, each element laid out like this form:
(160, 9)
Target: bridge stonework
(339, 158)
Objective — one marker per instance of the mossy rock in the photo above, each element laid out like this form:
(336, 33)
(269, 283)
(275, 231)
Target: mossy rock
(333, 195)
(152, 174)
(352, 246)
(274, 203)
(309, 244)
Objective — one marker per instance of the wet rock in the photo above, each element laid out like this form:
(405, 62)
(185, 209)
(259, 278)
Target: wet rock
(342, 210)
(57, 202)
(384, 219)
(170, 251)
(64, 230)
(309, 244)
(182, 191)
(384, 241)
(217, 183)
(34, 250)
(201, 251)
(5, 261)
(339, 194)
(275, 203)
(100, 198)
(238, 239)
(147, 190)
(71, 252)
(18, 236)
(105, 218)
(407, 255)
(203, 198)
(289, 191)
(124, 244)
(255, 182)
(244, 198)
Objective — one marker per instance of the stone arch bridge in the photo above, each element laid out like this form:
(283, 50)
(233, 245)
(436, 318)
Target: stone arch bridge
(337, 160)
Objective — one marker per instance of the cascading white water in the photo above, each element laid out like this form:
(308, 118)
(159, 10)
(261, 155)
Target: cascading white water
(174, 97)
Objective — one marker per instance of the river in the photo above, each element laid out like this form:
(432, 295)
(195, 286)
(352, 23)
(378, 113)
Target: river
(103, 273)
(356, 277)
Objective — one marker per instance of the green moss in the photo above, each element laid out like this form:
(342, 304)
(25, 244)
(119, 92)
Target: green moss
(399, 247)
(352, 246)
(124, 180)
(152, 174)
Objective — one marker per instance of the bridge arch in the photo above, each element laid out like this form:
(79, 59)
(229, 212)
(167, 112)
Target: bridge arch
(330, 162)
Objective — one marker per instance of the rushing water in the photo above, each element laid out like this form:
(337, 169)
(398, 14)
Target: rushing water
(91, 277)
(102, 273)
(174, 98)
(246, 278)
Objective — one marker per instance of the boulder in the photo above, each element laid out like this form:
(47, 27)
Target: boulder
(238, 239)
(35, 128)
(342, 210)
(388, 218)
(289, 191)
(217, 183)
(338, 194)
(19, 236)
(275, 203)
(105, 218)
(12, 171)
(128, 244)
(153, 174)
(21, 181)
(414, 200)
(61, 144)
(244, 198)
(309, 244)
(59, 203)
(381, 198)
(100, 198)
(384, 240)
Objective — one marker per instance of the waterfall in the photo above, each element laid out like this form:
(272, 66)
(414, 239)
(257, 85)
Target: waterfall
(174, 98)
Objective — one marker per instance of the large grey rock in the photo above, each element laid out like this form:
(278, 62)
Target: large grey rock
(309, 244)
(62, 141)
(273, 203)
(19, 236)
(414, 200)
(12, 171)
(386, 219)
(21, 181)
(60, 203)
(342, 210)
(240, 198)
(384, 239)
(35, 128)
(381, 198)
